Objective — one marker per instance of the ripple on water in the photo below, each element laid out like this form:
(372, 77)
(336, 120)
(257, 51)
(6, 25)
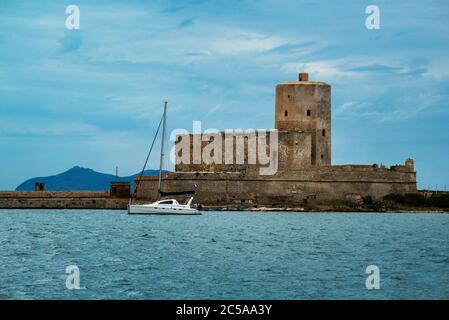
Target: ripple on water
(222, 255)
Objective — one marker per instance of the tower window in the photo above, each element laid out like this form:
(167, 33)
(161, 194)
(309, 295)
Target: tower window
(323, 132)
(286, 113)
(322, 156)
(308, 112)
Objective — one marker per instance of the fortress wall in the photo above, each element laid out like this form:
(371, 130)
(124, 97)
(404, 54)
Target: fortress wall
(294, 152)
(236, 145)
(289, 190)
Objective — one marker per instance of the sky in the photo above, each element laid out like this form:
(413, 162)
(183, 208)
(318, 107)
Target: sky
(93, 97)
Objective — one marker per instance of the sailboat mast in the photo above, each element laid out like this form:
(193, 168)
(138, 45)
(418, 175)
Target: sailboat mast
(164, 122)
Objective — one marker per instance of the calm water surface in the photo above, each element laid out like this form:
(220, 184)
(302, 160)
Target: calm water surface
(222, 255)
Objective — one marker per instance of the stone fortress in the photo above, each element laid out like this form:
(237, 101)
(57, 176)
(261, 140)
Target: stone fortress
(305, 172)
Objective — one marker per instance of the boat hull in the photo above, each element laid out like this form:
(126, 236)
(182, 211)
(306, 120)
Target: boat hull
(160, 210)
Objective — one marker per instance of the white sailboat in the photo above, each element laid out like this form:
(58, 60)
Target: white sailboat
(164, 206)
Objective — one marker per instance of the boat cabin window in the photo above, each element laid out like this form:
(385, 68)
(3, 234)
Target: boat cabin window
(166, 202)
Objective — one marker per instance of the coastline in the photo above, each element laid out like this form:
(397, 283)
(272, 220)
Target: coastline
(110, 200)
(263, 209)
(123, 206)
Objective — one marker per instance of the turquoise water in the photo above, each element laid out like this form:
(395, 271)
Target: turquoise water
(222, 255)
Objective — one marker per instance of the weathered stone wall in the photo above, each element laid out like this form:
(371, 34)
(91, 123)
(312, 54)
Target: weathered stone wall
(61, 200)
(63, 203)
(216, 147)
(53, 194)
(119, 189)
(337, 182)
(294, 152)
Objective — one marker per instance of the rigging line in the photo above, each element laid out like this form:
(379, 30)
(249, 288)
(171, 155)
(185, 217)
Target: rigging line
(148, 156)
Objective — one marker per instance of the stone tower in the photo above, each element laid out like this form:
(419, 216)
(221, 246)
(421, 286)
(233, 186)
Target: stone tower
(305, 106)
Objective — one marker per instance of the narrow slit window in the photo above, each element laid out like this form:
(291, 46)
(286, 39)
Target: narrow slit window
(308, 112)
(286, 113)
(323, 132)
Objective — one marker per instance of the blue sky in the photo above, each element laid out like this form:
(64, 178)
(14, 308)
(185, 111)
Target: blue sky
(92, 97)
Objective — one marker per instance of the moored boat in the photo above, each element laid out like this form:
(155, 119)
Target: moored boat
(162, 206)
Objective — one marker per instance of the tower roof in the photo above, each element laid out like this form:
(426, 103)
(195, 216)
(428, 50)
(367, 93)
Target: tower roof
(303, 79)
(304, 83)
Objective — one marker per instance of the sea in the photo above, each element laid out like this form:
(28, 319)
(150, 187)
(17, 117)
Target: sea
(107, 254)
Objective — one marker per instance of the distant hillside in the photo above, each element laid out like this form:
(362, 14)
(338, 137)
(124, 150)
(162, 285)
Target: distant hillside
(79, 178)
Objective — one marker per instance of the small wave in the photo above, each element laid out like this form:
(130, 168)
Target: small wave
(147, 236)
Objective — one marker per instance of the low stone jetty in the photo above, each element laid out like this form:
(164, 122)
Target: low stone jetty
(117, 197)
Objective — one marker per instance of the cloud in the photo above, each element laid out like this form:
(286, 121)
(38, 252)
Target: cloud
(186, 23)
(391, 108)
(358, 67)
(293, 47)
(36, 127)
(351, 106)
(376, 68)
(438, 69)
(212, 111)
(326, 69)
(401, 69)
(71, 41)
(245, 42)
(173, 9)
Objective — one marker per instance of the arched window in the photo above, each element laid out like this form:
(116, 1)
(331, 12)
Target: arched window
(322, 156)
(286, 113)
(308, 112)
(323, 132)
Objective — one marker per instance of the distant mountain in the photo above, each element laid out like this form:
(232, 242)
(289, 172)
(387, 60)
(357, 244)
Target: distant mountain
(79, 178)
